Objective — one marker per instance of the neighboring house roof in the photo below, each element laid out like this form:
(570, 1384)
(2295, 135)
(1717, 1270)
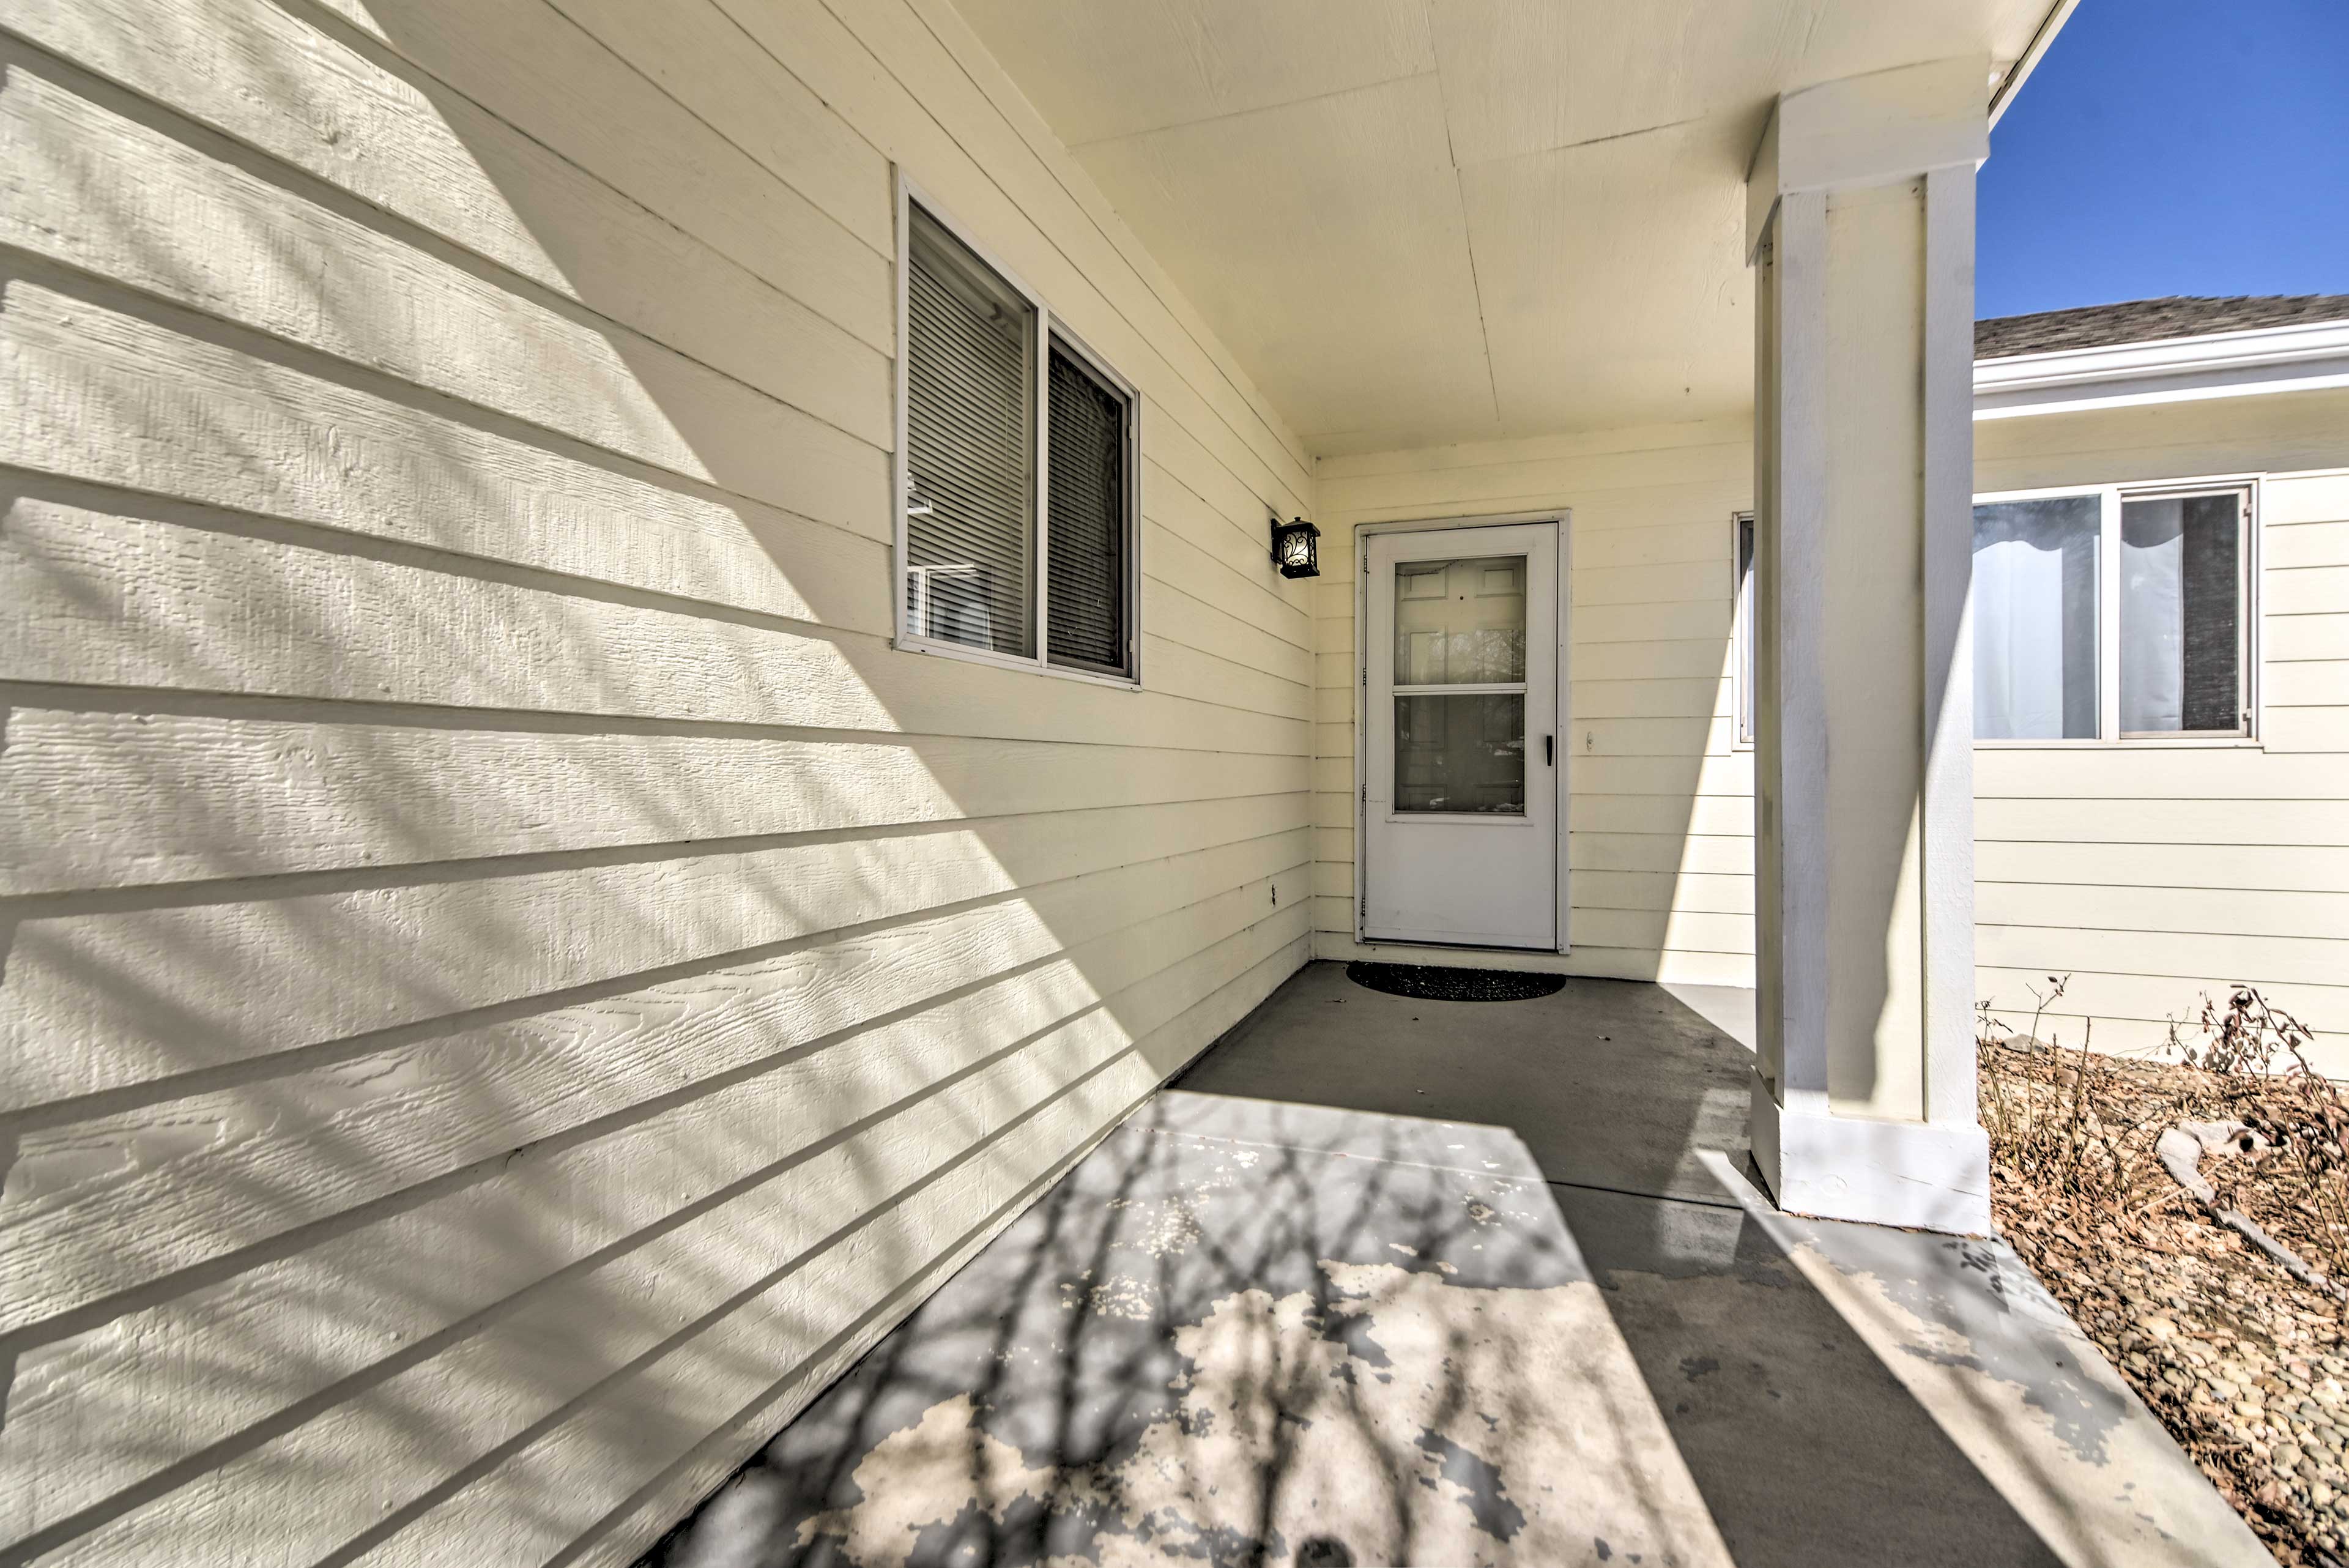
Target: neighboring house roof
(2150, 321)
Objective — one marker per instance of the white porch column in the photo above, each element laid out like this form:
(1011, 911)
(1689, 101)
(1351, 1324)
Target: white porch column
(1861, 225)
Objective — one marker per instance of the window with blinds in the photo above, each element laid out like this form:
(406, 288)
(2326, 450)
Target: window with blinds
(970, 447)
(1019, 482)
(1085, 600)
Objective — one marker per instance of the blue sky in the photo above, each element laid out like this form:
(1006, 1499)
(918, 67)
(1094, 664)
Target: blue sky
(2172, 147)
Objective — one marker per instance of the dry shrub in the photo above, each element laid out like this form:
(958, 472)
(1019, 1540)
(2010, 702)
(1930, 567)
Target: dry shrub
(2085, 1125)
(2300, 1192)
(2240, 1361)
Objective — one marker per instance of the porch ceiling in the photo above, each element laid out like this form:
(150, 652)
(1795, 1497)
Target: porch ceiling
(1420, 221)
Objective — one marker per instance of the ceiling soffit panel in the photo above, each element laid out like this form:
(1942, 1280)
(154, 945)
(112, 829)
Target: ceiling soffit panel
(1104, 69)
(1420, 221)
(1606, 263)
(1529, 78)
(1346, 208)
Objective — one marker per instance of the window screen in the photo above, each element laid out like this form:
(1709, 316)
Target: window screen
(2181, 631)
(970, 447)
(1086, 604)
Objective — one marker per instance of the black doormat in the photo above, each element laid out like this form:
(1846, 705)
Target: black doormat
(1429, 984)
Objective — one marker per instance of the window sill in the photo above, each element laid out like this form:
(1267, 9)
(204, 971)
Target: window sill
(956, 650)
(2131, 743)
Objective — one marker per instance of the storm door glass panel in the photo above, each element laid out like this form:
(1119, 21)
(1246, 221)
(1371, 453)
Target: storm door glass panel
(1459, 623)
(2035, 598)
(1463, 751)
(2182, 614)
(1460, 686)
(970, 448)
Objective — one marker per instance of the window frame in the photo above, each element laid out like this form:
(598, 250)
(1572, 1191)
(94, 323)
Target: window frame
(2111, 496)
(1741, 612)
(1050, 330)
(2108, 735)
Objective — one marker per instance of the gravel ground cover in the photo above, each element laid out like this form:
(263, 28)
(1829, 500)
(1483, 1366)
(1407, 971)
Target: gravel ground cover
(2246, 1364)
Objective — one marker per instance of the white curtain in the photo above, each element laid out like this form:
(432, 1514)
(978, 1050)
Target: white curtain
(2153, 617)
(2035, 599)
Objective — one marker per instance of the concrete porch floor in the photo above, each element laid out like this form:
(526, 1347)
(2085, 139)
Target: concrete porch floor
(1383, 1280)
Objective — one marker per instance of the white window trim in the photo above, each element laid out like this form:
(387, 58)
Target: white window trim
(2108, 736)
(1742, 695)
(1048, 329)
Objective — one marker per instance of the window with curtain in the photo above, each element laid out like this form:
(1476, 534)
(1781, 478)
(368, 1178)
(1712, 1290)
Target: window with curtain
(2036, 582)
(1020, 483)
(2111, 613)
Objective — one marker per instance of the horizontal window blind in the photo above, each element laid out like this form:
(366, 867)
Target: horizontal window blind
(970, 448)
(1086, 604)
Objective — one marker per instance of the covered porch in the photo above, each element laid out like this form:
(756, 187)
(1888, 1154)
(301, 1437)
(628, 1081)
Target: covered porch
(1388, 1279)
(531, 947)
(1634, 352)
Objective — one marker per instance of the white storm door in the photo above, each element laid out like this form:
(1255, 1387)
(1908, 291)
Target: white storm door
(1460, 737)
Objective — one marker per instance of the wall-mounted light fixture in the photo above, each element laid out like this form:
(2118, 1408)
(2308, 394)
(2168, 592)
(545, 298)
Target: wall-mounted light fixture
(1292, 548)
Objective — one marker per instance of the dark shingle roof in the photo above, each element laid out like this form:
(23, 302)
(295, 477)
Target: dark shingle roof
(2148, 321)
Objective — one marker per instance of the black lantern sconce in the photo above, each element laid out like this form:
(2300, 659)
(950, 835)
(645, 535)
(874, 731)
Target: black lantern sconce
(1292, 548)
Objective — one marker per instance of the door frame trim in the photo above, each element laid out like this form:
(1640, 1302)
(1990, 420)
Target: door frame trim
(1563, 517)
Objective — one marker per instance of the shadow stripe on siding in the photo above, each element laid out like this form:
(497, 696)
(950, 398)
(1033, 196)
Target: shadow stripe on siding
(180, 1032)
(1048, 1087)
(331, 1532)
(702, 1463)
(170, 1346)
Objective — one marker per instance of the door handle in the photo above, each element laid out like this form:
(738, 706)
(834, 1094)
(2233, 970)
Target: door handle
(1549, 751)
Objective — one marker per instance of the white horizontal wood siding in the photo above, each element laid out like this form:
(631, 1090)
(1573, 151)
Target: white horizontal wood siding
(2154, 876)
(1660, 820)
(511, 982)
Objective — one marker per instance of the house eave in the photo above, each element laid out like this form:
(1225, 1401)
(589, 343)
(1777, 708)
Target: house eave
(2020, 72)
(2302, 356)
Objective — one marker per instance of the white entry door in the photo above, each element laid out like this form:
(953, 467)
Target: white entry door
(1460, 790)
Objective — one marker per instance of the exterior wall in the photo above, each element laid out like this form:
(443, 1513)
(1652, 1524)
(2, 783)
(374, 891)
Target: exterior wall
(511, 983)
(2150, 874)
(2154, 875)
(1660, 814)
